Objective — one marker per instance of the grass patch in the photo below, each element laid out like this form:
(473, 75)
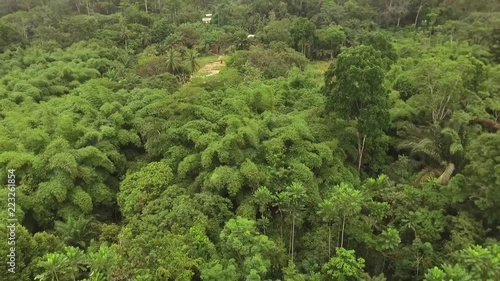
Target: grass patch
(318, 69)
(209, 64)
(207, 59)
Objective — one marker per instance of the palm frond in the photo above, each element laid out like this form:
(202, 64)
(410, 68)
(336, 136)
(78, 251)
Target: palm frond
(428, 148)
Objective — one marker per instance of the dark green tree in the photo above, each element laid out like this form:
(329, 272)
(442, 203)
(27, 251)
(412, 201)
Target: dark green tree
(355, 91)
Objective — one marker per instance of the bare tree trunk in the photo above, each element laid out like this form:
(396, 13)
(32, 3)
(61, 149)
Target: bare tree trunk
(77, 4)
(24, 29)
(329, 239)
(146, 5)
(88, 7)
(290, 240)
(281, 224)
(418, 13)
(418, 263)
(361, 150)
(338, 235)
(293, 233)
(343, 228)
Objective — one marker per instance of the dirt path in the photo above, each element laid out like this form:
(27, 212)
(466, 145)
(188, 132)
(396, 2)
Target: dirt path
(211, 68)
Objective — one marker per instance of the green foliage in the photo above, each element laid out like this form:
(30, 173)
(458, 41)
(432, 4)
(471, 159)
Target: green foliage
(55, 266)
(473, 263)
(76, 231)
(355, 91)
(381, 43)
(482, 174)
(302, 33)
(272, 62)
(149, 145)
(330, 39)
(344, 266)
(246, 253)
(495, 44)
(276, 31)
(27, 250)
(143, 186)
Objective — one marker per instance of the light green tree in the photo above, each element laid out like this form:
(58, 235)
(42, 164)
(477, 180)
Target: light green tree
(293, 200)
(55, 267)
(344, 266)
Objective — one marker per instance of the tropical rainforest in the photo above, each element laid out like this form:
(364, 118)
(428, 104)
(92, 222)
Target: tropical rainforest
(247, 140)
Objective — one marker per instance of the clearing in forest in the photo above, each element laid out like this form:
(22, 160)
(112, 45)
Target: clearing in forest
(211, 68)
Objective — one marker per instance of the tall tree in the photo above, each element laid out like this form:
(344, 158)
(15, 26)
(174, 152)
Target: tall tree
(263, 198)
(355, 91)
(192, 59)
(302, 31)
(293, 200)
(348, 202)
(331, 39)
(327, 211)
(173, 60)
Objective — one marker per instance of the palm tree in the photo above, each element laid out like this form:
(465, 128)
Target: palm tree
(160, 49)
(437, 150)
(114, 74)
(126, 59)
(55, 266)
(75, 232)
(192, 56)
(174, 61)
(174, 40)
(146, 39)
(124, 35)
(130, 79)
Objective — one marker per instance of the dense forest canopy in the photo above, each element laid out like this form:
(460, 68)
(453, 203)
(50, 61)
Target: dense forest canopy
(226, 140)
